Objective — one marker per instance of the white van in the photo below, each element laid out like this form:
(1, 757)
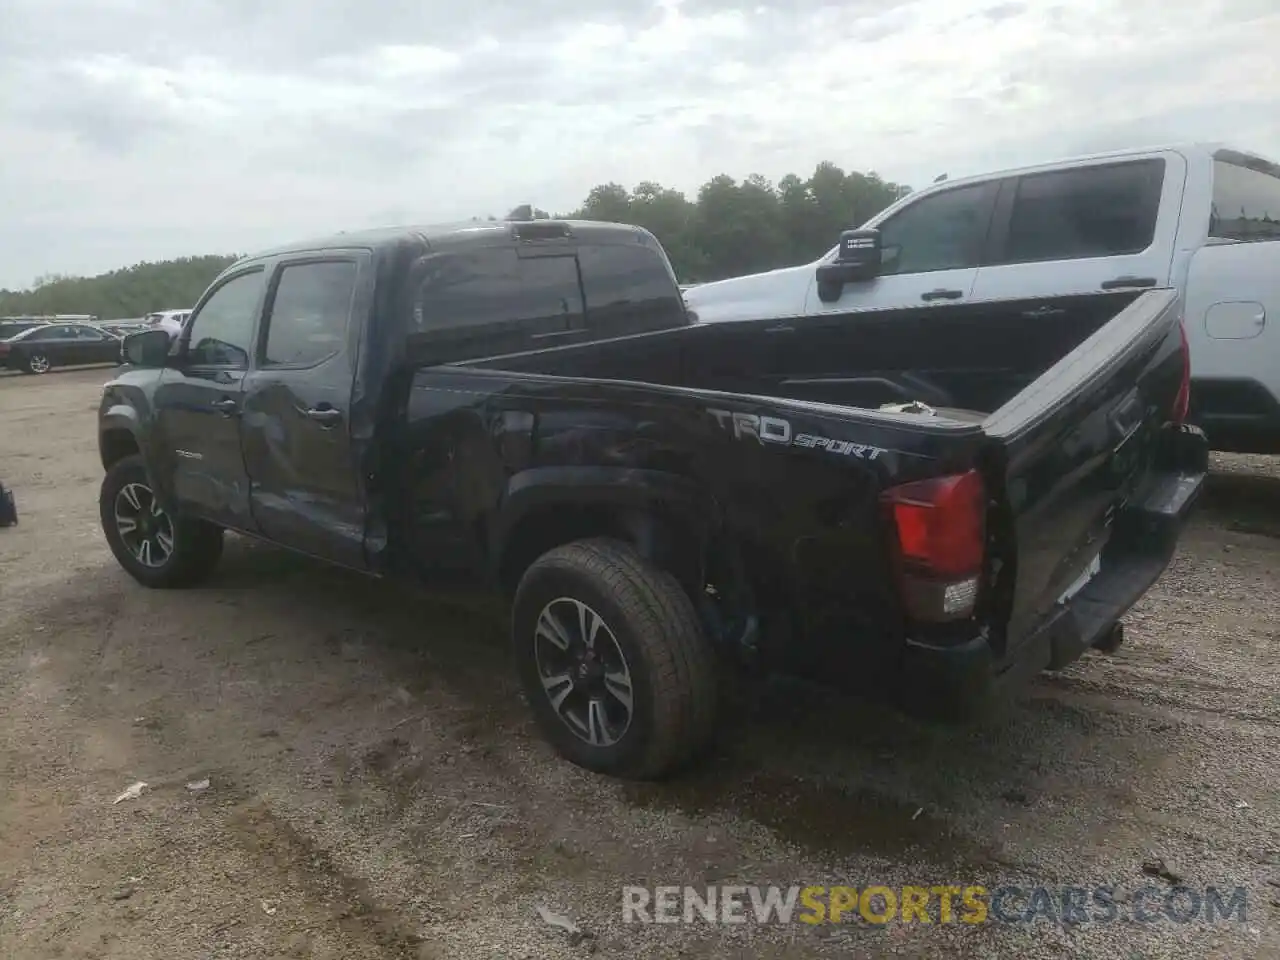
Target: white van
(1203, 218)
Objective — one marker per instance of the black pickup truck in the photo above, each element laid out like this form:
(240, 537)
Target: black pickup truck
(927, 504)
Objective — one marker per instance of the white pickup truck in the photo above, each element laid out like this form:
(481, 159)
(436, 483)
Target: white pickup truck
(1201, 218)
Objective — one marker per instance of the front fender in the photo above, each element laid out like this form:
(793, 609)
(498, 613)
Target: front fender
(122, 431)
(115, 419)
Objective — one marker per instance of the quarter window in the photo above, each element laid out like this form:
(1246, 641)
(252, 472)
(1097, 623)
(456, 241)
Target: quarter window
(1246, 202)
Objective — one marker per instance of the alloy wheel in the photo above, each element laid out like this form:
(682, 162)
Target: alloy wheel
(38, 363)
(583, 671)
(145, 529)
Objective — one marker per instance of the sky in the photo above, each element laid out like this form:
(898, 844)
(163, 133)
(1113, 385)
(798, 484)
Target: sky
(140, 130)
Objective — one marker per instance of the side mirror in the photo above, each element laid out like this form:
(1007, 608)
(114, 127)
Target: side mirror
(857, 260)
(150, 348)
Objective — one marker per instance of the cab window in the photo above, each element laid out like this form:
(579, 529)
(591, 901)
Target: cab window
(221, 333)
(943, 231)
(309, 313)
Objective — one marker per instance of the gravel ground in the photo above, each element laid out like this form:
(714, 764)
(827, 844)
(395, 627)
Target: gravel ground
(377, 791)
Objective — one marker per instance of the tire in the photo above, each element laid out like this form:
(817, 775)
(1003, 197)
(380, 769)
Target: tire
(37, 363)
(193, 546)
(1112, 640)
(649, 627)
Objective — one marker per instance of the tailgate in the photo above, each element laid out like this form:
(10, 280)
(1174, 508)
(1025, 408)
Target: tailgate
(1079, 454)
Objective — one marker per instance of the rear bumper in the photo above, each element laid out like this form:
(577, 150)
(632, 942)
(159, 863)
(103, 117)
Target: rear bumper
(955, 682)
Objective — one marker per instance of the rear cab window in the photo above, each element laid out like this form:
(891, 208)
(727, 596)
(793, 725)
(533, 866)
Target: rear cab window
(491, 300)
(1102, 210)
(482, 302)
(1246, 200)
(629, 288)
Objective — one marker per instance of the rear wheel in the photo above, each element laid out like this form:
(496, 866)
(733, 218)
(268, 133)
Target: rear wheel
(38, 363)
(613, 660)
(156, 549)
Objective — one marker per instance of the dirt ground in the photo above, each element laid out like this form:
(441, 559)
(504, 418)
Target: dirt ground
(377, 790)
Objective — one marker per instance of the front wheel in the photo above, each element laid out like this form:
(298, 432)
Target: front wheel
(613, 660)
(154, 548)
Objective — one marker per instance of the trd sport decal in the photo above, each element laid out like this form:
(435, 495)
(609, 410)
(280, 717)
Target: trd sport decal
(777, 430)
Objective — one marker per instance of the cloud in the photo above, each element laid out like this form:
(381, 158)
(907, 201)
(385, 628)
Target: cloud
(134, 129)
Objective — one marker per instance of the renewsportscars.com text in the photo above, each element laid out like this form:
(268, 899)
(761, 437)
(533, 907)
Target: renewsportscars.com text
(938, 903)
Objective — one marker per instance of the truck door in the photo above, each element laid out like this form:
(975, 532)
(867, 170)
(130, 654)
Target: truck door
(931, 249)
(197, 405)
(1101, 225)
(304, 481)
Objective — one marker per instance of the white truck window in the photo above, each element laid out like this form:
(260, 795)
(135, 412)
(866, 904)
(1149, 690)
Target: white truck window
(944, 231)
(1106, 210)
(1246, 203)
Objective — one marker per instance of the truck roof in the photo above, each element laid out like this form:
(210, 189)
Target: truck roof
(466, 233)
(1187, 148)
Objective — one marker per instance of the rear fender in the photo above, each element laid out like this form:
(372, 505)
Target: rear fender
(665, 516)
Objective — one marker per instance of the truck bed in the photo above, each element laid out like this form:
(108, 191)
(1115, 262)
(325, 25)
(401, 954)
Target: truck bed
(971, 358)
(1063, 407)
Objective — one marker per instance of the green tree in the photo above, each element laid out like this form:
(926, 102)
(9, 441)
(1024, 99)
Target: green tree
(729, 229)
(735, 227)
(128, 292)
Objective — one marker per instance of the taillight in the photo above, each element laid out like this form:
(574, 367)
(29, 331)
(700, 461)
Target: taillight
(4, 348)
(1182, 402)
(941, 533)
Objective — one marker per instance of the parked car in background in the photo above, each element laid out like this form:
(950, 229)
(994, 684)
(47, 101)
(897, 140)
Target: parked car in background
(122, 328)
(1203, 219)
(41, 348)
(12, 326)
(170, 320)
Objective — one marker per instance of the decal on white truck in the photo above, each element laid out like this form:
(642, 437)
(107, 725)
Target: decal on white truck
(776, 430)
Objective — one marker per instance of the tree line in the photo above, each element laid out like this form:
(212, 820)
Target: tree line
(729, 228)
(127, 292)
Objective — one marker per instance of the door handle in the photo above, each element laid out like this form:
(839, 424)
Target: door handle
(780, 328)
(325, 416)
(942, 295)
(1115, 283)
(226, 406)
